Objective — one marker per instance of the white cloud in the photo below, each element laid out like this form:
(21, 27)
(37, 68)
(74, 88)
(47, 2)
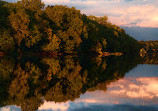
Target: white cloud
(5, 109)
(145, 87)
(54, 106)
(52, 2)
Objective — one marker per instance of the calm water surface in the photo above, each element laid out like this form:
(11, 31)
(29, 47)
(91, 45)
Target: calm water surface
(84, 84)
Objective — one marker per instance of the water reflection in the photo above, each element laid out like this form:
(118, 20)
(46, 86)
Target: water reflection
(32, 83)
(143, 87)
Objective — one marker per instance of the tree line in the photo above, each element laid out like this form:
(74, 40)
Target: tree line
(149, 46)
(29, 25)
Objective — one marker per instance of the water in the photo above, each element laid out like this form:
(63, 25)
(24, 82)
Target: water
(79, 84)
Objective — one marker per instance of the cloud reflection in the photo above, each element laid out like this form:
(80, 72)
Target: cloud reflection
(10, 108)
(145, 88)
(136, 91)
(54, 106)
(128, 93)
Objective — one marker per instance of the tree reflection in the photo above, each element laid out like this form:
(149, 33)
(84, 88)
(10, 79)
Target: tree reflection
(30, 81)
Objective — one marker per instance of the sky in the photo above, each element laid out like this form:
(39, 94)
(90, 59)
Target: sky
(142, 13)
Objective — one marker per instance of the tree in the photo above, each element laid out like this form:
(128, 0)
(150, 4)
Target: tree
(20, 21)
(103, 20)
(33, 5)
(7, 43)
(53, 45)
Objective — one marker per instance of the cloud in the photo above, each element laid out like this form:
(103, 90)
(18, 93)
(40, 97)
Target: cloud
(121, 12)
(141, 15)
(10, 108)
(136, 91)
(143, 87)
(5, 109)
(52, 106)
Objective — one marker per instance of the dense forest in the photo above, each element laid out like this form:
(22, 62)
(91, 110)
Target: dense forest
(30, 26)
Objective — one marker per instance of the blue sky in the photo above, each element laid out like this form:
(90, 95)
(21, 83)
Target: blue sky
(142, 13)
